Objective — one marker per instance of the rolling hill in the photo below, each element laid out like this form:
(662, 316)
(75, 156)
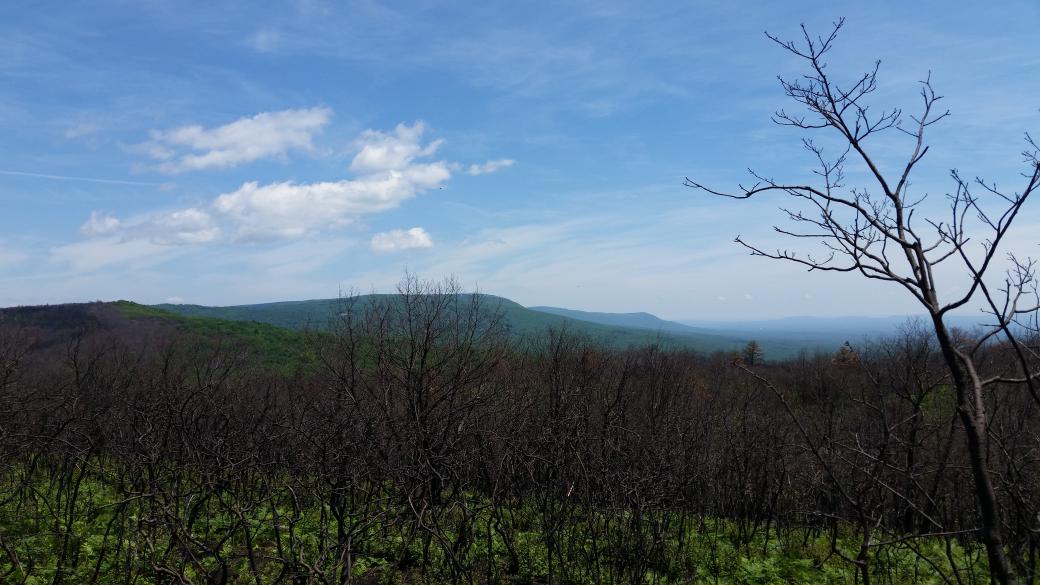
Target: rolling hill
(52, 327)
(777, 342)
(634, 320)
(780, 336)
(522, 322)
(275, 331)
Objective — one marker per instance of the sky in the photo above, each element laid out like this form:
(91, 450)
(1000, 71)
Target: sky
(239, 152)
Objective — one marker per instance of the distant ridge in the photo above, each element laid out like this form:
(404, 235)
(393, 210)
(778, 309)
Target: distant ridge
(621, 332)
(826, 331)
(780, 338)
(635, 320)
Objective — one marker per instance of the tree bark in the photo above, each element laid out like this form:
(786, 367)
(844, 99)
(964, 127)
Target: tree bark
(972, 414)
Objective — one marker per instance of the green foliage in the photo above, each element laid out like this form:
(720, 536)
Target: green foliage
(277, 348)
(80, 538)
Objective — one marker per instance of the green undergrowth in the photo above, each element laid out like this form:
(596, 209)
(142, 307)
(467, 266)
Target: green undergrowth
(113, 531)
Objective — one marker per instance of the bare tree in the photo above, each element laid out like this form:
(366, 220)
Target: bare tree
(871, 230)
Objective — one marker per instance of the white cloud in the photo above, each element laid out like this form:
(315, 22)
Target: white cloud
(398, 240)
(490, 166)
(175, 300)
(265, 135)
(172, 228)
(388, 169)
(388, 175)
(380, 151)
(99, 224)
(183, 227)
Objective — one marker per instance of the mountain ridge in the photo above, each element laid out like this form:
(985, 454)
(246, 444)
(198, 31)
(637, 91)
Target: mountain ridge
(523, 321)
(641, 319)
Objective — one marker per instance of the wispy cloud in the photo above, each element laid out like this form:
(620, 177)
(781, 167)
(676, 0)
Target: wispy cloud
(182, 227)
(97, 253)
(10, 257)
(490, 166)
(80, 130)
(85, 179)
(265, 135)
(168, 228)
(265, 40)
(99, 224)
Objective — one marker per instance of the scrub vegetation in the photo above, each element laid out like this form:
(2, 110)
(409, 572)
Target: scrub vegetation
(426, 444)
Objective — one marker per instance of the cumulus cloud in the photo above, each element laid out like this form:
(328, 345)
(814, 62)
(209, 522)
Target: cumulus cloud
(388, 169)
(490, 166)
(381, 151)
(265, 135)
(388, 174)
(172, 228)
(398, 240)
(99, 224)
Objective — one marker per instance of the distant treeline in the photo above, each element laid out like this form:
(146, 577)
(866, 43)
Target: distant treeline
(427, 445)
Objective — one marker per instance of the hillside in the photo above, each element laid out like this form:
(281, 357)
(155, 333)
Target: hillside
(634, 320)
(274, 332)
(785, 339)
(522, 322)
(53, 326)
(781, 337)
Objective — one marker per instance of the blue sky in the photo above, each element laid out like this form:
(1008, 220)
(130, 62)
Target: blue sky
(237, 152)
